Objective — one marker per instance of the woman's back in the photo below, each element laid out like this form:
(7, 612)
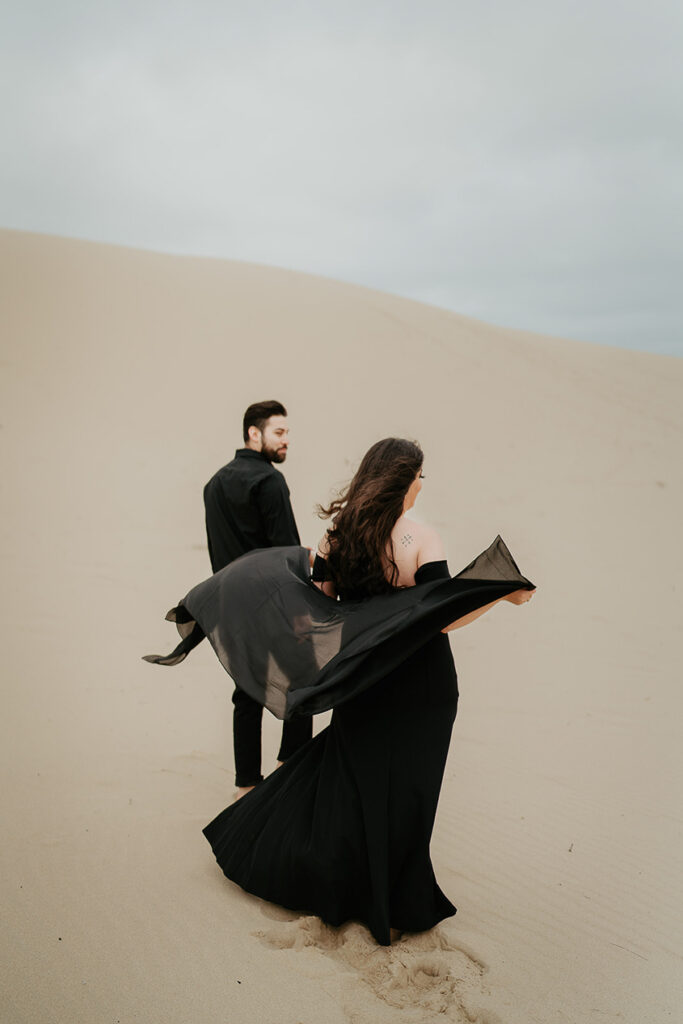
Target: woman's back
(412, 545)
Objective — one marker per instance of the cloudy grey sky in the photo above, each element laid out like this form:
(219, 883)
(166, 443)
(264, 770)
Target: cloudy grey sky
(514, 160)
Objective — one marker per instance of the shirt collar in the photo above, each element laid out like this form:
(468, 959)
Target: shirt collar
(249, 453)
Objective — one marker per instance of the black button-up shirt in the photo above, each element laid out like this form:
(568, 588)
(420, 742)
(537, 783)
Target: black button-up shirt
(247, 506)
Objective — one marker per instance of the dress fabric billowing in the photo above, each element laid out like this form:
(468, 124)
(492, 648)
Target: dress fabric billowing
(342, 829)
(297, 651)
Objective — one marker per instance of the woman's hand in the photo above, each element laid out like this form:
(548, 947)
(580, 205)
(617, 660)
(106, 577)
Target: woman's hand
(520, 596)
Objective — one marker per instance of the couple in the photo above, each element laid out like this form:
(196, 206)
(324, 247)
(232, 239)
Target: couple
(342, 829)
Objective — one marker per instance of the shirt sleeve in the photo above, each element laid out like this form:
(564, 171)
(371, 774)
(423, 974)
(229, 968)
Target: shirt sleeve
(215, 529)
(276, 512)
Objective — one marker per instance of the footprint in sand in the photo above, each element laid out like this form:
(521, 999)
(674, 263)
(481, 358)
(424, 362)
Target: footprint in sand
(419, 976)
(276, 913)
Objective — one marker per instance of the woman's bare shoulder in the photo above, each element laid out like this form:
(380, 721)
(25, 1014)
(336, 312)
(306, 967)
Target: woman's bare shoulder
(405, 527)
(431, 547)
(419, 539)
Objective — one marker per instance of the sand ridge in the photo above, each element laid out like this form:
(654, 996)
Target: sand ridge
(558, 837)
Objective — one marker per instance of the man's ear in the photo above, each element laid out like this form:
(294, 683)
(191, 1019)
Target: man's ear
(255, 436)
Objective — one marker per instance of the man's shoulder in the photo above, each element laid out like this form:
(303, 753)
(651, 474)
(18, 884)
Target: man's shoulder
(243, 471)
(271, 488)
(220, 474)
(273, 476)
(231, 472)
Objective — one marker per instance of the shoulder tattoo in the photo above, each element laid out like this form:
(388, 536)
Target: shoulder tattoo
(406, 540)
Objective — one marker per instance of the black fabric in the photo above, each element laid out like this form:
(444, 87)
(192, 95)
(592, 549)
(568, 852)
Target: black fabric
(343, 829)
(247, 506)
(298, 651)
(432, 571)
(320, 570)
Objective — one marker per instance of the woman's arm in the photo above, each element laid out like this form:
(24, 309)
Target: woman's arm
(431, 549)
(327, 586)
(516, 597)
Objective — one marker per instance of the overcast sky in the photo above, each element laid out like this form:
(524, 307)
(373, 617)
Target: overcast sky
(514, 160)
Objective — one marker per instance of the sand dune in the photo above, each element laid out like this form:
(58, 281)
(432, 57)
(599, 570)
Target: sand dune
(124, 376)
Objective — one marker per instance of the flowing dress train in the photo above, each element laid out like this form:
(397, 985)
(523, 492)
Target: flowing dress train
(342, 829)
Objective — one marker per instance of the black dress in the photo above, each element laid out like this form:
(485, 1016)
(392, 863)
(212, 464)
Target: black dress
(342, 829)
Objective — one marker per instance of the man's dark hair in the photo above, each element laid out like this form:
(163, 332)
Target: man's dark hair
(258, 413)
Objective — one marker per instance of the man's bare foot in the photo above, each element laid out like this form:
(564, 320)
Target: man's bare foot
(395, 935)
(242, 791)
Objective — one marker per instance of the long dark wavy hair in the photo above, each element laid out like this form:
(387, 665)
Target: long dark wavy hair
(360, 558)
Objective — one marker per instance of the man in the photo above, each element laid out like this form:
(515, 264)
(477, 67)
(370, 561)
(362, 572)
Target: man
(247, 506)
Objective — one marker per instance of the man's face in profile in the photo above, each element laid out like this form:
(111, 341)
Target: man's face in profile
(275, 439)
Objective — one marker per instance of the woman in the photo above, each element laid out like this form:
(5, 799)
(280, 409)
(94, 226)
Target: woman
(343, 828)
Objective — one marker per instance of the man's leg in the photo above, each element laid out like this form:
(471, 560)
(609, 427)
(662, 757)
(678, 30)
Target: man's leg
(295, 732)
(246, 731)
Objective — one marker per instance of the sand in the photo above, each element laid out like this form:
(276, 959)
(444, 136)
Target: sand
(124, 377)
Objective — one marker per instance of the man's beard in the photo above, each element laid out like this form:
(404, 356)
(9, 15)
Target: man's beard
(272, 454)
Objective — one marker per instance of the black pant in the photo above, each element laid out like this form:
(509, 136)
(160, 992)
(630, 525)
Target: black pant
(247, 716)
